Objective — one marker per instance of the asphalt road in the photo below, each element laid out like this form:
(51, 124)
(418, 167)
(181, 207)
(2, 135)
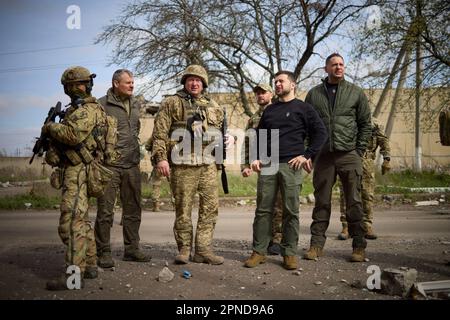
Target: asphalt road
(40, 227)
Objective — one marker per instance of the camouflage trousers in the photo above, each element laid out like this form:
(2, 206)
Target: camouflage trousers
(367, 194)
(156, 179)
(75, 229)
(277, 220)
(186, 181)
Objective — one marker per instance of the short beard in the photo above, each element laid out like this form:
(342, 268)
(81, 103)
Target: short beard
(284, 93)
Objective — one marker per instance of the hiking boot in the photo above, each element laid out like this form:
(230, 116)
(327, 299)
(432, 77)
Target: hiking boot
(313, 253)
(136, 256)
(290, 262)
(358, 255)
(91, 272)
(105, 260)
(183, 256)
(254, 260)
(344, 234)
(60, 283)
(156, 206)
(370, 234)
(207, 257)
(274, 249)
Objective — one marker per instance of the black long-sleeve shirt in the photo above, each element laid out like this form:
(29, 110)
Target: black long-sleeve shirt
(296, 120)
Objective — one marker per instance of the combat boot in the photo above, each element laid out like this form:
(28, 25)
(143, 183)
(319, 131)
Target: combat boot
(344, 235)
(290, 262)
(358, 255)
(313, 253)
(254, 260)
(105, 260)
(274, 249)
(183, 256)
(91, 272)
(136, 256)
(370, 234)
(207, 257)
(156, 206)
(60, 283)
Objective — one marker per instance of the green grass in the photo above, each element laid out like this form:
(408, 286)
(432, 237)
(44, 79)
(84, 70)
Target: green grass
(37, 202)
(397, 181)
(237, 185)
(246, 187)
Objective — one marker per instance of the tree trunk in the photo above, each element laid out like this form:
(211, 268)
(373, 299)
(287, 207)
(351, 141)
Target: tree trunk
(401, 83)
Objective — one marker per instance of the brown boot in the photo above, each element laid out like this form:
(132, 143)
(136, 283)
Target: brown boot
(370, 234)
(290, 262)
(156, 206)
(313, 253)
(344, 235)
(183, 256)
(207, 257)
(254, 260)
(358, 255)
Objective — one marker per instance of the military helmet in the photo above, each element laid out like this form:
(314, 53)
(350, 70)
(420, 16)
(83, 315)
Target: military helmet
(76, 74)
(195, 70)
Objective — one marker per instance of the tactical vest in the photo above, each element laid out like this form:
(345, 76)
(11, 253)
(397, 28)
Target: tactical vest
(190, 107)
(99, 144)
(202, 107)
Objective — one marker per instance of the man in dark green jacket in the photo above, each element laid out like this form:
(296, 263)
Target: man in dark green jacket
(120, 103)
(344, 109)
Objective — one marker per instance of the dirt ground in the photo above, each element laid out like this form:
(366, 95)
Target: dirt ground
(412, 237)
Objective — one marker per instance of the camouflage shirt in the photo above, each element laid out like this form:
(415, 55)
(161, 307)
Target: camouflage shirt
(377, 139)
(252, 123)
(78, 123)
(174, 113)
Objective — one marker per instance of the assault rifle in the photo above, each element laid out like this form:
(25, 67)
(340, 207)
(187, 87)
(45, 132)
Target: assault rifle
(42, 142)
(224, 147)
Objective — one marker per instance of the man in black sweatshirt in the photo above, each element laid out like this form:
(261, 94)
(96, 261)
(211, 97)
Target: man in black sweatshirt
(290, 121)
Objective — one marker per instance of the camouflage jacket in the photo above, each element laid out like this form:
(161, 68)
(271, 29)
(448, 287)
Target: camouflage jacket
(128, 126)
(377, 139)
(173, 114)
(84, 126)
(252, 123)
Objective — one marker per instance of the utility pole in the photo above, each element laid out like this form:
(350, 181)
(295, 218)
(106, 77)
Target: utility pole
(418, 148)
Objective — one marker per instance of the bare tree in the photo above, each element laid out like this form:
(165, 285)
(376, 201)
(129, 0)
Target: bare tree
(401, 28)
(240, 42)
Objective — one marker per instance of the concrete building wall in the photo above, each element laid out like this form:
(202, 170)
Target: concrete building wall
(434, 155)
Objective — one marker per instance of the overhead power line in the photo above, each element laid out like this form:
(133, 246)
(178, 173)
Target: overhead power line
(44, 49)
(50, 67)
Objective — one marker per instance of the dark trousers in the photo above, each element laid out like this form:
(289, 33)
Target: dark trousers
(348, 166)
(128, 183)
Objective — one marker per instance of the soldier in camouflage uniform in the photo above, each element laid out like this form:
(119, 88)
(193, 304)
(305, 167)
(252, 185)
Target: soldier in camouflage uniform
(156, 180)
(74, 142)
(192, 112)
(378, 139)
(264, 95)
